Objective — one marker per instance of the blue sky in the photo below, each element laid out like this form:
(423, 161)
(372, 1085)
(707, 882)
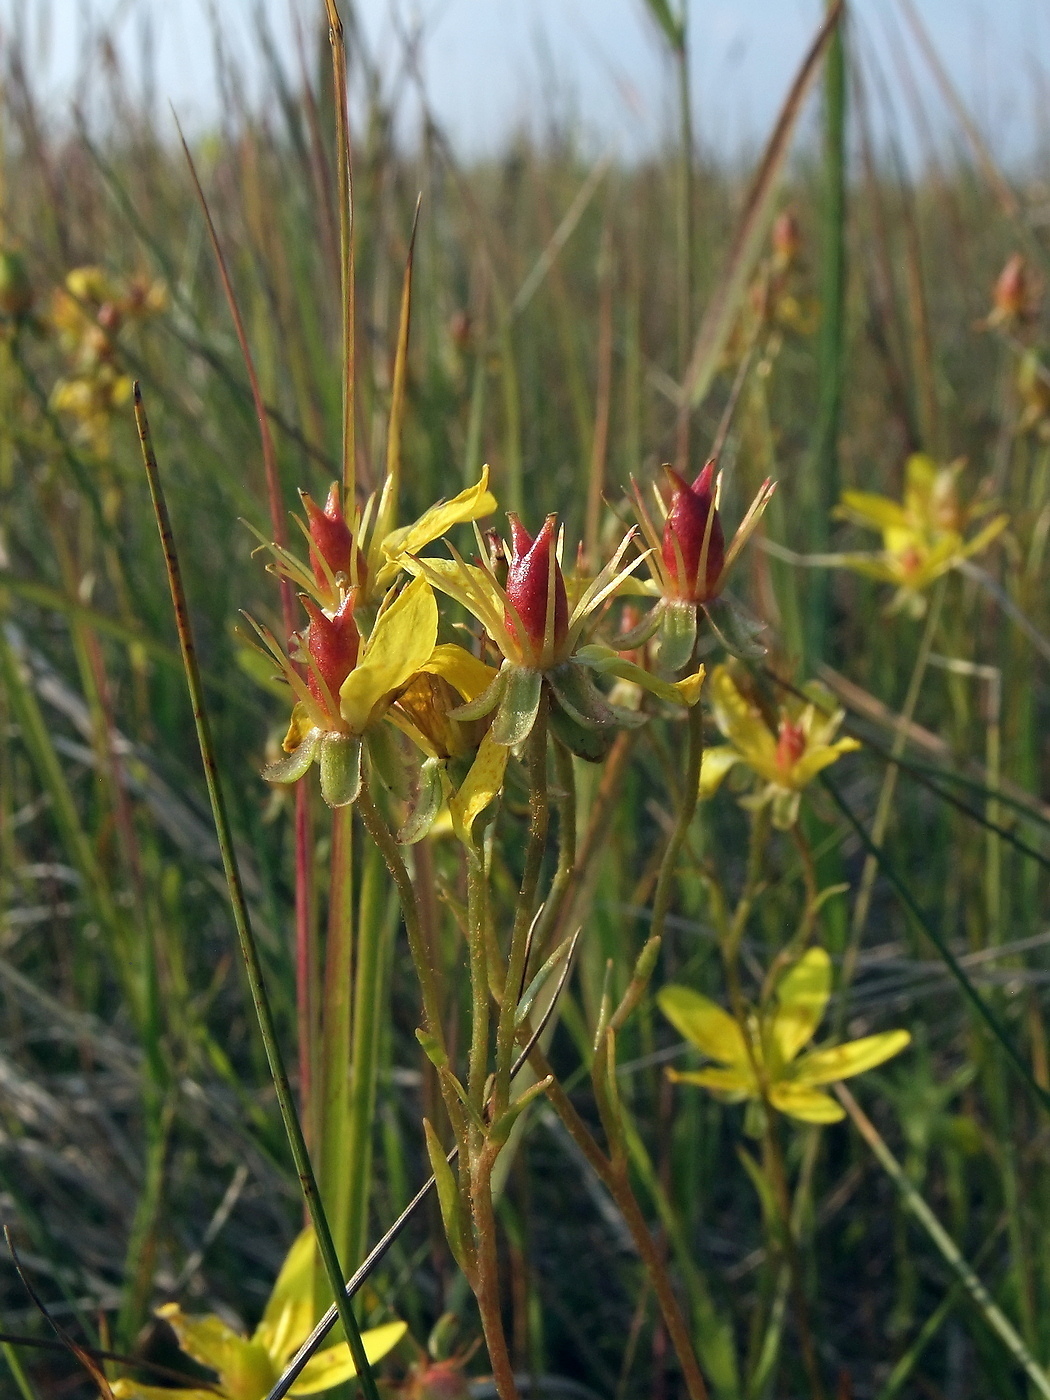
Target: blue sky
(493, 65)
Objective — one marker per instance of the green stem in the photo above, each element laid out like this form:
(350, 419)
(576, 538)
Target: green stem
(479, 979)
(241, 916)
(565, 804)
(862, 907)
(381, 834)
(539, 811)
(914, 1201)
(333, 1118)
(374, 918)
(686, 810)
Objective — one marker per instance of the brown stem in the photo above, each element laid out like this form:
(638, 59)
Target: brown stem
(486, 1284)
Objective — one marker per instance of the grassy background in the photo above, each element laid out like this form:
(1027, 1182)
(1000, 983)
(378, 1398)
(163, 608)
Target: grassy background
(140, 1151)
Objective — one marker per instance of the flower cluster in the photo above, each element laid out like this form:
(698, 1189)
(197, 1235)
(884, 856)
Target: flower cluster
(924, 535)
(88, 314)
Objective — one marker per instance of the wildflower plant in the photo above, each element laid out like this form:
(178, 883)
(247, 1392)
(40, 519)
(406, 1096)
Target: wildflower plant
(924, 535)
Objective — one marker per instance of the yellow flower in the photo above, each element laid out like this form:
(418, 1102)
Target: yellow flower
(923, 535)
(330, 730)
(786, 761)
(248, 1367)
(367, 553)
(763, 1061)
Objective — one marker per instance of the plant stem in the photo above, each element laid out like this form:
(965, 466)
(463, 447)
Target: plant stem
(479, 979)
(486, 1285)
(690, 798)
(778, 1174)
(862, 907)
(242, 918)
(915, 1202)
(336, 1030)
(381, 834)
(539, 811)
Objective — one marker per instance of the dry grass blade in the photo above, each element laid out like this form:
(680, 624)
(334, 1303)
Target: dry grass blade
(273, 484)
(397, 396)
(721, 311)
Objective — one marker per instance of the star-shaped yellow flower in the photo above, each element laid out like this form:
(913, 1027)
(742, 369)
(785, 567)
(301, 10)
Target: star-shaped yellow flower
(249, 1367)
(764, 1062)
(923, 535)
(786, 761)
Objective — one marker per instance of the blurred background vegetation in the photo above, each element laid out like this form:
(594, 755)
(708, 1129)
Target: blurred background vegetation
(555, 307)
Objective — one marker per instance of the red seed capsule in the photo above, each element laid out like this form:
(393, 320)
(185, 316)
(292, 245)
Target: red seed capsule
(330, 537)
(693, 576)
(333, 644)
(528, 585)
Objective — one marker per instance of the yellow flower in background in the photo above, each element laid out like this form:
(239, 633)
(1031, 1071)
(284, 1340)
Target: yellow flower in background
(765, 1061)
(923, 535)
(249, 1367)
(785, 762)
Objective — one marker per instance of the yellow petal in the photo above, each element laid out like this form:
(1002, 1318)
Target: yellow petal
(135, 1390)
(843, 1061)
(714, 765)
(479, 787)
(466, 673)
(401, 642)
(288, 1316)
(245, 1368)
(810, 1105)
(335, 1365)
(984, 537)
(818, 757)
(719, 1081)
(876, 512)
(476, 590)
(471, 504)
(705, 1024)
(740, 721)
(802, 996)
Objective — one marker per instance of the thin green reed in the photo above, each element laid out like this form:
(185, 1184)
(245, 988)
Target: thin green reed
(241, 916)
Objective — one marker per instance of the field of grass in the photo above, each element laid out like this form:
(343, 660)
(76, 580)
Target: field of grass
(828, 320)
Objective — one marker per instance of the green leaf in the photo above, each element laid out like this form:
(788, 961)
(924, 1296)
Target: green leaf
(429, 796)
(292, 768)
(673, 28)
(457, 1228)
(432, 1048)
(501, 1129)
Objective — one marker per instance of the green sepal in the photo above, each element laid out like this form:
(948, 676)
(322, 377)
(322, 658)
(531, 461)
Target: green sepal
(638, 636)
(489, 698)
(518, 707)
(340, 761)
(580, 698)
(430, 794)
(735, 628)
(764, 1188)
(677, 637)
(457, 1227)
(387, 758)
(292, 768)
(590, 744)
(503, 1126)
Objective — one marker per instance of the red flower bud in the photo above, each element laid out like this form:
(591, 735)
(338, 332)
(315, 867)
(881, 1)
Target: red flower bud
(786, 238)
(1012, 293)
(791, 745)
(332, 643)
(528, 589)
(330, 537)
(685, 532)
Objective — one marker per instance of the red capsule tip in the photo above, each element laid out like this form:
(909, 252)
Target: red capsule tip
(330, 537)
(692, 576)
(333, 644)
(528, 587)
(791, 745)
